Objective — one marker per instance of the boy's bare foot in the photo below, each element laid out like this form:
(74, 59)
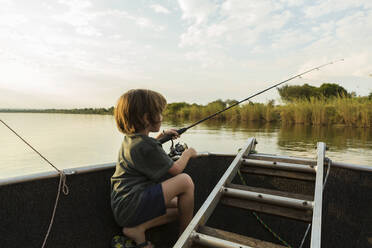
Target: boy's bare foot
(137, 234)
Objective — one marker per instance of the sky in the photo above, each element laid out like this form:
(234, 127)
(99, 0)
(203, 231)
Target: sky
(86, 53)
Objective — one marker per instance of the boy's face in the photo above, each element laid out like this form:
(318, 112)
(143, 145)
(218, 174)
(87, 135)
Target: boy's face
(156, 126)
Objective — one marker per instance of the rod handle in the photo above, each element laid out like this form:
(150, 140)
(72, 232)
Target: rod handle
(166, 138)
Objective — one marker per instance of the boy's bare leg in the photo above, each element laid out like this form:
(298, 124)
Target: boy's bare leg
(137, 233)
(181, 186)
(173, 203)
(178, 191)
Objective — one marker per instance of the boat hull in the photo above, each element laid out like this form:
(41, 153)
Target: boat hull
(84, 219)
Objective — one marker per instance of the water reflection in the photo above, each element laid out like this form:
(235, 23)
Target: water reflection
(346, 144)
(231, 126)
(337, 138)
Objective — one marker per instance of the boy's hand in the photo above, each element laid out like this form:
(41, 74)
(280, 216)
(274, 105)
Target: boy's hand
(191, 152)
(171, 132)
(181, 163)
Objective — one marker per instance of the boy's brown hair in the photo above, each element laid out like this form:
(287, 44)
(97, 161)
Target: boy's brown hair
(132, 107)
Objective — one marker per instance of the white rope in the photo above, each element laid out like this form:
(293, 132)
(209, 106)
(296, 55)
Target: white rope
(303, 239)
(62, 182)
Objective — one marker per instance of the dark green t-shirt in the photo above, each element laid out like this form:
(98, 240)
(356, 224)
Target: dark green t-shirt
(142, 162)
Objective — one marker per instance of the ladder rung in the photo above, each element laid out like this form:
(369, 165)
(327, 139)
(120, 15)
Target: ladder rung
(279, 165)
(211, 241)
(236, 238)
(291, 213)
(278, 173)
(285, 159)
(268, 198)
(271, 192)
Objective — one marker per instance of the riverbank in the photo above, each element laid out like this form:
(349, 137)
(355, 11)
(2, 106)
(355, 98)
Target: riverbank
(353, 112)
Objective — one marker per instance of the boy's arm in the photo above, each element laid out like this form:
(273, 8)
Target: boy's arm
(181, 163)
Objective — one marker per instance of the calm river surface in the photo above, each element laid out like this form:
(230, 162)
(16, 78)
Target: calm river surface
(77, 140)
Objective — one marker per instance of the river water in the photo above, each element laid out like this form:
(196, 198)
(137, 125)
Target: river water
(69, 140)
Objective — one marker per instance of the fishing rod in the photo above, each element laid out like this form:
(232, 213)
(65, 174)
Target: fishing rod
(182, 130)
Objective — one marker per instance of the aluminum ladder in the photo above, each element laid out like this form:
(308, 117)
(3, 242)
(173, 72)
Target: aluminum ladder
(289, 205)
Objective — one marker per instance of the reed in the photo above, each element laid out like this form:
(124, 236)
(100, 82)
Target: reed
(302, 112)
(287, 114)
(195, 113)
(251, 112)
(271, 113)
(318, 111)
(232, 115)
(353, 112)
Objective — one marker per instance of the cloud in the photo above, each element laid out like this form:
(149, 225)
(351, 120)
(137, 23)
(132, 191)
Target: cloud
(347, 37)
(88, 21)
(292, 3)
(233, 22)
(6, 3)
(146, 23)
(321, 8)
(12, 20)
(159, 9)
(272, 28)
(58, 51)
(196, 10)
(244, 24)
(96, 47)
(79, 15)
(75, 38)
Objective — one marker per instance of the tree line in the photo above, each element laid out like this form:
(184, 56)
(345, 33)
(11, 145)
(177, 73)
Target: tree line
(99, 111)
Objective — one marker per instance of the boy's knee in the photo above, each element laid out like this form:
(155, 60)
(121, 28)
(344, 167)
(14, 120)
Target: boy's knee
(189, 183)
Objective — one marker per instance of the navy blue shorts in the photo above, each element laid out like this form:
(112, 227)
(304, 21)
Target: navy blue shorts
(152, 205)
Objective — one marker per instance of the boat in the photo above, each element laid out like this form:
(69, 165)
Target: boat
(83, 217)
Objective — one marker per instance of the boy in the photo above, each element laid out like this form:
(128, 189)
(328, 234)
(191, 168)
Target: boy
(139, 199)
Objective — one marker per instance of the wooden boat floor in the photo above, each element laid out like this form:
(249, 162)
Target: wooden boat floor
(233, 237)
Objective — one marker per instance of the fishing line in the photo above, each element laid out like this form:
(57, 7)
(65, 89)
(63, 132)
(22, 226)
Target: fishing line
(62, 181)
(182, 130)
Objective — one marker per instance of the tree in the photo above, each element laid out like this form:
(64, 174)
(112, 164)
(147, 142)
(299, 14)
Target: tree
(173, 108)
(290, 93)
(332, 90)
(218, 104)
(326, 90)
(230, 102)
(214, 107)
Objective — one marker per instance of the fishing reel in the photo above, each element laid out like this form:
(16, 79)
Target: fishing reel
(177, 150)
